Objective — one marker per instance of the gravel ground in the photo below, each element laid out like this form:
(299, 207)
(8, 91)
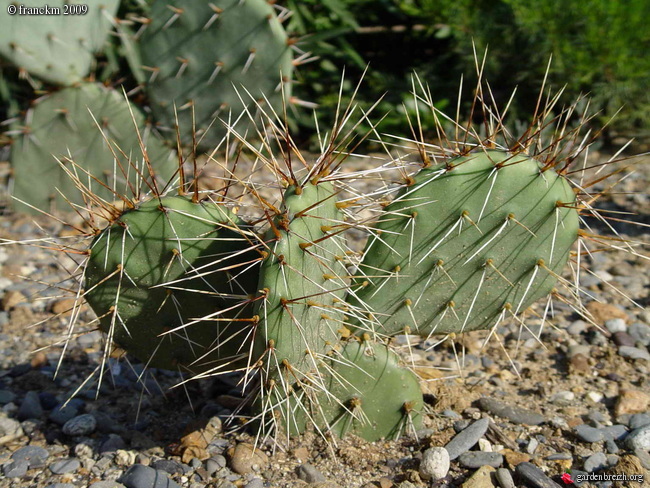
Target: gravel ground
(523, 414)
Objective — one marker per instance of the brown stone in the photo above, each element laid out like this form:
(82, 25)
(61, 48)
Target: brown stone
(38, 359)
(385, 483)
(482, 478)
(579, 364)
(12, 298)
(631, 401)
(63, 306)
(246, 458)
(514, 458)
(601, 312)
(301, 454)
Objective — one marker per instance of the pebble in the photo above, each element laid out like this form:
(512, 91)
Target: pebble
(63, 466)
(245, 458)
(482, 478)
(504, 478)
(534, 476)
(631, 401)
(633, 353)
(615, 325)
(10, 429)
(467, 438)
(611, 446)
(255, 483)
(476, 459)
(639, 439)
(139, 476)
(640, 332)
(60, 414)
(515, 414)
(532, 446)
(30, 408)
(616, 432)
(310, 474)
(595, 462)
(169, 466)
(112, 444)
(106, 484)
(639, 420)
(434, 464)
(577, 327)
(61, 485)
(34, 456)
(6, 396)
(643, 457)
(623, 339)
(563, 397)
(15, 469)
(214, 464)
(595, 396)
(590, 434)
(80, 425)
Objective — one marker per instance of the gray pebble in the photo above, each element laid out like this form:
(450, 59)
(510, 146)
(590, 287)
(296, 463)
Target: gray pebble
(615, 325)
(61, 485)
(595, 462)
(532, 446)
(112, 444)
(644, 458)
(80, 425)
(34, 456)
(6, 396)
(460, 425)
(583, 349)
(107, 484)
(504, 478)
(633, 353)
(612, 460)
(616, 432)
(611, 446)
(30, 408)
(310, 474)
(60, 414)
(587, 433)
(639, 420)
(513, 413)
(9, 428)
(15, 469)
(169, 466)
(466, 439)
(639, 439)
(640, 332)
(434, 464)
(215, 463)
(577, 327)
(255, 483)
(139, 476)
(450, 414)
(559, 456)
(476, 459)
(534, 476)
(63, 466)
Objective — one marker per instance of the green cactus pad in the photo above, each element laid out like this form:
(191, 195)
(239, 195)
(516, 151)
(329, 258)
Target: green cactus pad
(168, 263)
(366, 393)
(203, 54)
(60, 127)
(479, 238)
(57, 48)
(301, 281)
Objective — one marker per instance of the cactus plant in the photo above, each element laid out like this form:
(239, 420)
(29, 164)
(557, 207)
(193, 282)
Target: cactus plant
(204, 57)
(58, 48)
(169, 279)
(81, 145)
(467, 242)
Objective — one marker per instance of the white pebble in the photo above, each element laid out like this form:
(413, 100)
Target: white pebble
(434, 464)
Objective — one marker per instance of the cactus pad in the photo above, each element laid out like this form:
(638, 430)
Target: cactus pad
(479, 238)
(57, 48)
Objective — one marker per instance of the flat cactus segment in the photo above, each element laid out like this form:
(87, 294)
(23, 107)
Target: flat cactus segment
(302, 283)
(479, 238)
(58, 48)
(207, 55)
(165, 278)
(60, 127)
(367, 393)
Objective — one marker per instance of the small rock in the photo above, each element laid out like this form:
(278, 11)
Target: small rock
(615, 325)
(633, 353)
(595, 462)
(6, 396)
(504, 478)
(139, 476)
(623, 339)
(513, 413)
(310, 474)
(514, 458)
(434, 464)
(640, 332)
(61, 485)
(482, 478)
(590, 434)
(10, 429)
(34, 456)
(11, 299)
(532, 446)
(80, 425)
(595, 396)
(616, 432)
(255, 483)
(639, 439)
(106, 484)
(639, 420)
(112, 444)
(124, 457)
(631, 401)
(245, 458)
(168, 466)
(214, 464)
(534, 476)
(563, 397)
(643, 457)
(577, 327)
(63, 466)
(602, 312)
(60, 414)
(476, 459)
(30, 408)
(467, 438)
(15, 469)
(611, 446)
(579, 364)
(62, 306)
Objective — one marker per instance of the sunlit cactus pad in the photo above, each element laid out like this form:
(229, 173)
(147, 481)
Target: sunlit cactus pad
(56, 48)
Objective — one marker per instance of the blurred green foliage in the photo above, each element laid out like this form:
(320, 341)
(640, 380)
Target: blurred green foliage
(599, 47)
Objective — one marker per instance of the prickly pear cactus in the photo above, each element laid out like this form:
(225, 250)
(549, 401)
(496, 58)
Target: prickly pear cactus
(168, 281)
(207, 56)
(59, 153)
(58, 48)
(467, 244)
(302, 283)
